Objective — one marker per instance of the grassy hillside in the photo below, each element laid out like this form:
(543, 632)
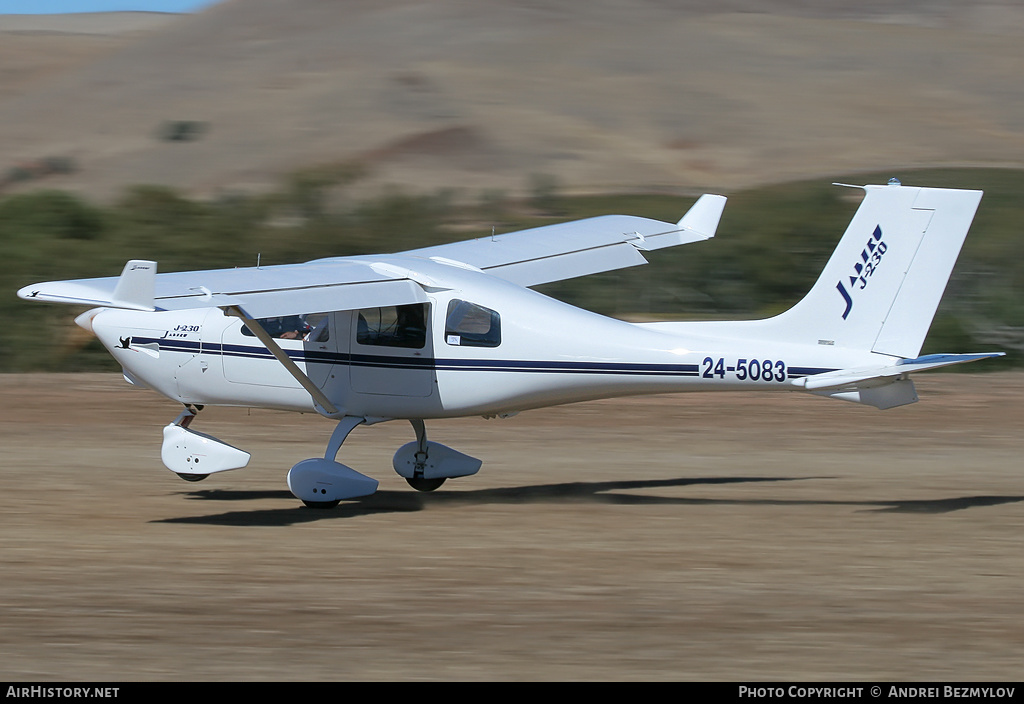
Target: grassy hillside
(771, 245)
(443, 93)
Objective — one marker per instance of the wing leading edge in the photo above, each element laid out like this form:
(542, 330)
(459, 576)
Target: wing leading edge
(261, 292)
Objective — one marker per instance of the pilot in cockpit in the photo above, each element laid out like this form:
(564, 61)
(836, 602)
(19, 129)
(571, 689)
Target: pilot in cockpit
(287, 327)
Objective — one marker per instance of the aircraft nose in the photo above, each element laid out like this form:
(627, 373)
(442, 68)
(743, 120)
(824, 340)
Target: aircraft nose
(84, 321)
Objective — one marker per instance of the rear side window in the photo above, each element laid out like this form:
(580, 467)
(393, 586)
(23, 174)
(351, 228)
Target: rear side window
(393, 326)
(470, 325)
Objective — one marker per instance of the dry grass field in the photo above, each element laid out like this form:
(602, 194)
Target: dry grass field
(719, 536)
(610, 96)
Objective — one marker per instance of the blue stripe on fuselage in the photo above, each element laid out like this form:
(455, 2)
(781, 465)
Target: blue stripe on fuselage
(427, 363)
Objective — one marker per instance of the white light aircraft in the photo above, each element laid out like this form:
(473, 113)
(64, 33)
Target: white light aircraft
(455, 330)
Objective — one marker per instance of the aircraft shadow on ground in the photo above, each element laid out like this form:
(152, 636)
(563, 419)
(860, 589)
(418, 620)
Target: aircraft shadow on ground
(569, 492)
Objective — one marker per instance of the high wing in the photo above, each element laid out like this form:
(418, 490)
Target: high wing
(528, 257)
(262, 292)
(568, 250)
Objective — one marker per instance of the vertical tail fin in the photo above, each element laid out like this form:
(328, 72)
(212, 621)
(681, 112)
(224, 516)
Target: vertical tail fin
(881, 287)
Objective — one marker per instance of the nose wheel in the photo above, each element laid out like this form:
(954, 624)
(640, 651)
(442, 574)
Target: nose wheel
(194, 456)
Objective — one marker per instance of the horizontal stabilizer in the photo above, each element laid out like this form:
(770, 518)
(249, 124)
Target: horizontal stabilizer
(883, 387)
(887, 394)
(847, 377)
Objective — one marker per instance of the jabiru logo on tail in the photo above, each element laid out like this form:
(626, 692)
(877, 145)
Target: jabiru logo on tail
(871, 257)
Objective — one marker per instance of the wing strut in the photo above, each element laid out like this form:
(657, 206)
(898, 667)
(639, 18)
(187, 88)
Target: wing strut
(263, 336)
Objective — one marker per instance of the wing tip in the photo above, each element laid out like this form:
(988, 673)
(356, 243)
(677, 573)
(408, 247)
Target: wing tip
(703, 217)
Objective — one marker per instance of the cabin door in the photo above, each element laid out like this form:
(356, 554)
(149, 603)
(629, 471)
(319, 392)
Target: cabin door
(391, 351)
(307, 339)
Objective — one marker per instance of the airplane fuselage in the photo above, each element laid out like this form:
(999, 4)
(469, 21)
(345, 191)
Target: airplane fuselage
(516, 349)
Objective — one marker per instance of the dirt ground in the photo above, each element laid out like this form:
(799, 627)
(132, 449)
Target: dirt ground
(723, 536)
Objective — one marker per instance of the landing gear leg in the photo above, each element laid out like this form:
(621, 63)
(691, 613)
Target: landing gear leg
(417, 481)
(341, 432)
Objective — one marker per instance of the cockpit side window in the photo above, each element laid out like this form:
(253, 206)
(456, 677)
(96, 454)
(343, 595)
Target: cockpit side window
(470, 325)
(393, 326)
(310, 327)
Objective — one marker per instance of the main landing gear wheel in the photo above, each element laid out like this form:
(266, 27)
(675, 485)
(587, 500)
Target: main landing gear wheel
(323, 482)
(421, 484)
(321, 504)
(426, 465)
(192, 477)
